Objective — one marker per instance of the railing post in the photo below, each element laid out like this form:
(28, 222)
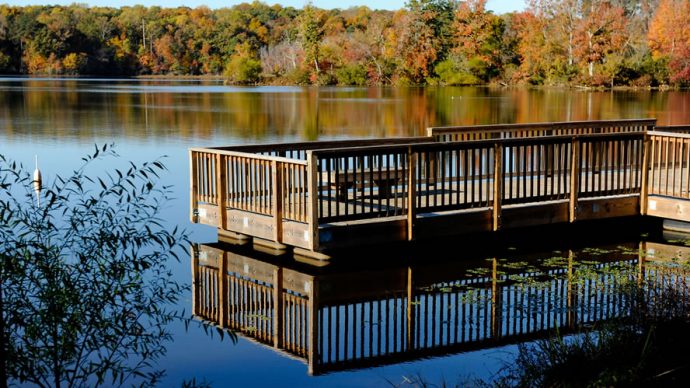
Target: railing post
(313, 355)
(194, 188)
(222, 190)
(278, 318)
(277, 177)
(222, 290)
(574, 177)
(313, 190)
(498, 185)
(411, 192)
(644, 188)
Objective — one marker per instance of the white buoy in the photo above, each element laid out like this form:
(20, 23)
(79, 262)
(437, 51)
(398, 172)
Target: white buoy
(37, 182)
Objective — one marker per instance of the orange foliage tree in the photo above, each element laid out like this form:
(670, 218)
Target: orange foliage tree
(669, 37)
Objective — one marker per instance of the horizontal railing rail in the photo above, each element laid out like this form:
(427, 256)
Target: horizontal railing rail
(478, 132)
(299, 150)
(673, 128)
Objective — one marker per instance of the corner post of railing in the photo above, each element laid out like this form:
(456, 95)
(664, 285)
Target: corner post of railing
(575, 151)
(411, 192)
(193, 188)
(277, 206)
(222, 190)
(223, 290)
(313, 351)
(644, 184)
(313, 190)
(430, 132)
(498, 185)
(278, 317)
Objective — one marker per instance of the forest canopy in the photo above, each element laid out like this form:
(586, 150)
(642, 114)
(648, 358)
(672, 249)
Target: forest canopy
(429, 42)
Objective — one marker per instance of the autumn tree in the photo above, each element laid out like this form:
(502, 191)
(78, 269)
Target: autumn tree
(669, 37)
(478, 38)
(310, 32)
(423, 36)
(429, 41)
(600, 32)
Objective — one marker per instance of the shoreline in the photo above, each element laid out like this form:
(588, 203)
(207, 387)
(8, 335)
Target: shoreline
(210, 77)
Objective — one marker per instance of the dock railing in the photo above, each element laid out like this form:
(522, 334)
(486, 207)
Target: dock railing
(390, 181)
(529, 130)
(668, 181)
(251, 191)
(260, 189)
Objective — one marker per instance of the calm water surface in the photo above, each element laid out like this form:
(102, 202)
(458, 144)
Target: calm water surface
(60, 119)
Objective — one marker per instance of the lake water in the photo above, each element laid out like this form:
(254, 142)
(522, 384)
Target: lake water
(60, 120)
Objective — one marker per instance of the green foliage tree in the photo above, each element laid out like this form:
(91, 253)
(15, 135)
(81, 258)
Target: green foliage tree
(310, 32)
(454, 71)
(354, 74)
(85, 287)
(243, 70)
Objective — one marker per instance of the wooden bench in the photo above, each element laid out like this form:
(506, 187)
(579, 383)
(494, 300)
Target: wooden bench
(342, 181)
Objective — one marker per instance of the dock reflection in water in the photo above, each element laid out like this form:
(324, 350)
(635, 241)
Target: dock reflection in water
(336, 318)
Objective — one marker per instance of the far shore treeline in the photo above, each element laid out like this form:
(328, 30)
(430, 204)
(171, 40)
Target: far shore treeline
(638, 43)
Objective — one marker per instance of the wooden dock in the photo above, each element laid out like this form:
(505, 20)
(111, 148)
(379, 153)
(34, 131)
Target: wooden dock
(348, 318)
(319, 196)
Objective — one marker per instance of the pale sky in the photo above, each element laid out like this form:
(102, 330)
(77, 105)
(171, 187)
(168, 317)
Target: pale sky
(498, 6)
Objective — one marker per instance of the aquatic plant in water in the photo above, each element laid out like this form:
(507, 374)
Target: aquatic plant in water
(646, 344)
(86, 292)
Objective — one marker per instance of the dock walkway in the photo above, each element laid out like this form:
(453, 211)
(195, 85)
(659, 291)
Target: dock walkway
(320, 196)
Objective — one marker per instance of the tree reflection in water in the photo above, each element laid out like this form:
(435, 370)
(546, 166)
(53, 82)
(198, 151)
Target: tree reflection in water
(86, 292)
